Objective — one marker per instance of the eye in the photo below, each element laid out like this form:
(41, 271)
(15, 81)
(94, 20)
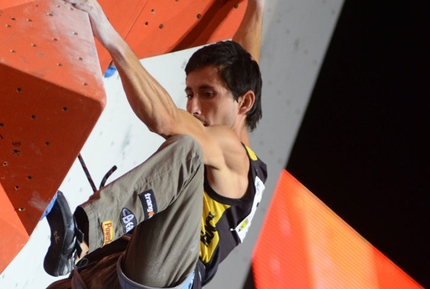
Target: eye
(189, 95)
(208, 94)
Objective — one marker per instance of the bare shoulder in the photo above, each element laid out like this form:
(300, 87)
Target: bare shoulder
(221, 146)
(225, 158)
(228, 147)
(227, 169)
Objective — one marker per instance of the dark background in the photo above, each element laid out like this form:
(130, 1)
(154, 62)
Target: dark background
(363, 147)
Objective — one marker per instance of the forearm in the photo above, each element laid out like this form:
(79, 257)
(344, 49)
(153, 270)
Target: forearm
(249, 33)
(148, 99)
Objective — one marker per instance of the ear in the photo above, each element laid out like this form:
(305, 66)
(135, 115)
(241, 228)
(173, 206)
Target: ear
(246, 101)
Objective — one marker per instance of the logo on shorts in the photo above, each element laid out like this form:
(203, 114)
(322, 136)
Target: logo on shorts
(128, 220)
(149, 204)
(108, 232)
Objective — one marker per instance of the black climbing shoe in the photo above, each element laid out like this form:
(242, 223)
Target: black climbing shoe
(61, 255)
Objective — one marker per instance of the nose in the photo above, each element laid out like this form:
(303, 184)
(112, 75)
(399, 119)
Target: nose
(193, 105)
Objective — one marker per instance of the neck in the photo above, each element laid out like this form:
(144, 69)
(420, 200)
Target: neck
(244, 135)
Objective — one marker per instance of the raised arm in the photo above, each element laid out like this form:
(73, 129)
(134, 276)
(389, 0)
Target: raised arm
(148, 99)
(249, 32)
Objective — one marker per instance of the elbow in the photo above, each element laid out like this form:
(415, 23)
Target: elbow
(163, 127)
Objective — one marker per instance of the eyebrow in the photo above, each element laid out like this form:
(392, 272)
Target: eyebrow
(204, 86)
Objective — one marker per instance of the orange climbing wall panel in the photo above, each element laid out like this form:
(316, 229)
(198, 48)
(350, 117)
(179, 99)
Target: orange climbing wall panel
(10, 225)
(154, 27)
(51, 95)
(304, 245)
(10, 3)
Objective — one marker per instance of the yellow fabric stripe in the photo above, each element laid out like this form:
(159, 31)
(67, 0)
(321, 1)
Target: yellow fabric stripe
(251, 153)
(209, 236)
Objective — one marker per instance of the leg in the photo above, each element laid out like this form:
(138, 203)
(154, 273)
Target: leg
(164, 249)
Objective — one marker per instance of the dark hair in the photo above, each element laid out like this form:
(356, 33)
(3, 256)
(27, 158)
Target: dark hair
(237, 68)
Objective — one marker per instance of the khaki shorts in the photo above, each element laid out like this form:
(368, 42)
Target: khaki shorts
(161, 202)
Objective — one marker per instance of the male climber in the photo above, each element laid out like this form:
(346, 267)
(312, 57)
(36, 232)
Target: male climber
(191, 203)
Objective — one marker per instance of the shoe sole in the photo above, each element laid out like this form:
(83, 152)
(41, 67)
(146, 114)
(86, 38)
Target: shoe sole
(59, 258)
